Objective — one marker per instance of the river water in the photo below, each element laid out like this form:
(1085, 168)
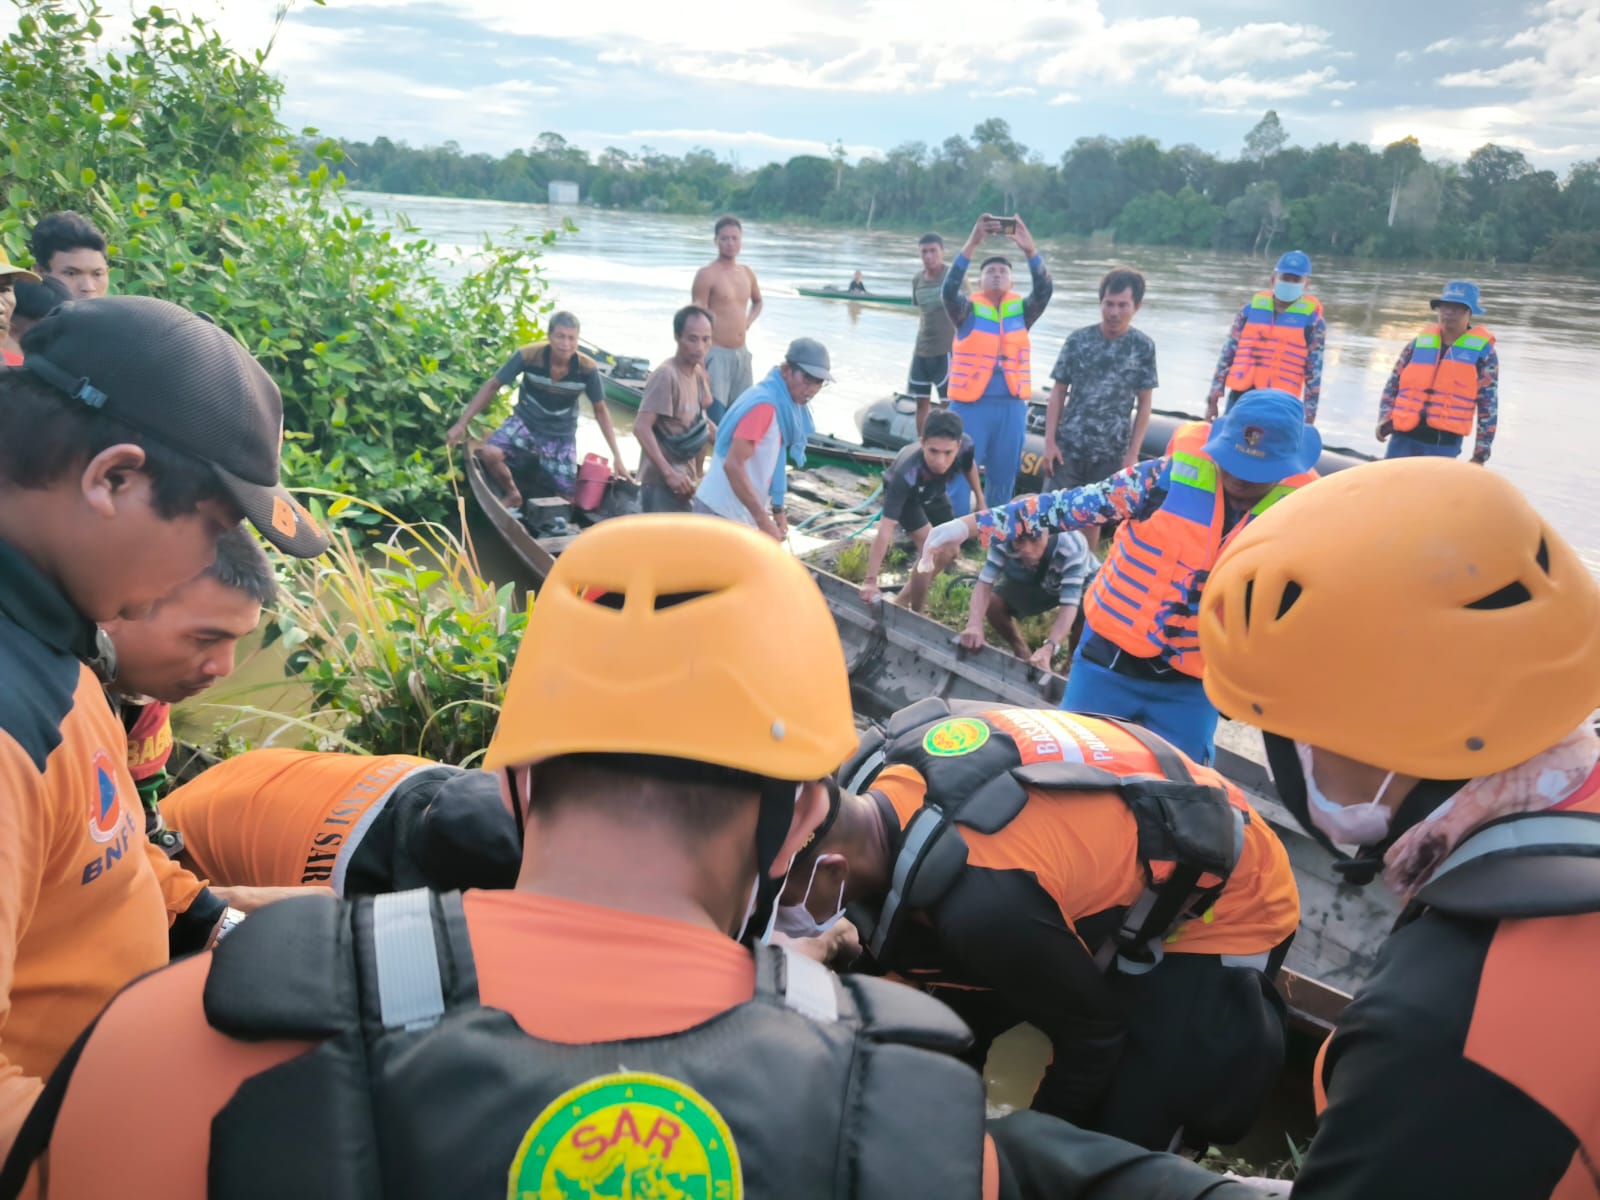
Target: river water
(625, 273)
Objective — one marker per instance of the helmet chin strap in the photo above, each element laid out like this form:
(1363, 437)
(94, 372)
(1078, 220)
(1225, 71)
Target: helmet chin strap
(772, 827)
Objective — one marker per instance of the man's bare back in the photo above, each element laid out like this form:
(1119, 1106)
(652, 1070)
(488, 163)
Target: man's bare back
(729, 290)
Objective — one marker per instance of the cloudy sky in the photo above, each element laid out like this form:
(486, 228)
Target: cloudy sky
(765, 79)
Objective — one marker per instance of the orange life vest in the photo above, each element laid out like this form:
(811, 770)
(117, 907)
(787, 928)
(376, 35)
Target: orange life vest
(1438, 389)
(999, 337)
(1145, 597)
(1272, 350)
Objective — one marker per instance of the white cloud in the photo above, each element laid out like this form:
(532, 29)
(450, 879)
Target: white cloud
(1061, 98)
(1523, 72)
(1404, 56)
(1243, 91)
(1005, 93)
(1447, 45)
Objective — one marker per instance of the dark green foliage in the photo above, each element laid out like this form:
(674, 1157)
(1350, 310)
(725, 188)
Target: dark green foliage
(1328, 199)
(173, 147)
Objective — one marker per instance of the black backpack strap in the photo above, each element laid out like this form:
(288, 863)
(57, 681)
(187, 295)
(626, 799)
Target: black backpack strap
(1528, 865)
(343, 975)
(932, 855)
(862, 767)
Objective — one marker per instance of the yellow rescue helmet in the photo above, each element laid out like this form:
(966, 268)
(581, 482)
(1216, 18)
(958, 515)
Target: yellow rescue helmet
(689, 637)
(1414, 614)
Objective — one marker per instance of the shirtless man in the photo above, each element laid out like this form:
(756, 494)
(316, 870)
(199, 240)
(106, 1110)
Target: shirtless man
(729, 290)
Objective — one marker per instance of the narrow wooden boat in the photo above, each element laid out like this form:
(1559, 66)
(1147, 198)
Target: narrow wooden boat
(875, 299)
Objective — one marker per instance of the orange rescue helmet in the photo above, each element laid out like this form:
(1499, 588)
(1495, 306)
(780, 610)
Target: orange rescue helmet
(1416, 614)
(688, 637)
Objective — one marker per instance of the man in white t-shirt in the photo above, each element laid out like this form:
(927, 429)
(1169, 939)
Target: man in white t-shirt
(746, 481)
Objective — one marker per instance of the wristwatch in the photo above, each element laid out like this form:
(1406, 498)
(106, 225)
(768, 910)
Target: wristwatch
(1053, 644)
(230, 918)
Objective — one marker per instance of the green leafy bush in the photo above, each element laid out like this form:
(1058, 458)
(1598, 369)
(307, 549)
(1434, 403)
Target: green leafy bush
(405, 648)
(173, 146)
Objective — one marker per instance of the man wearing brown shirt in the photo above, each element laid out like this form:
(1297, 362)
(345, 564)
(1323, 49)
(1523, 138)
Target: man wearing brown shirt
(672, 427)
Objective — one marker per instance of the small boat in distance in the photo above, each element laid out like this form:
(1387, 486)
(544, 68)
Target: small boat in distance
(876, 299)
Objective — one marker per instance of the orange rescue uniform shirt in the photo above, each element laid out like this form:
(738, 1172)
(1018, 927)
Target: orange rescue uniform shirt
(600, 954)
(277, 818)
(1082, 849)
(85, 900)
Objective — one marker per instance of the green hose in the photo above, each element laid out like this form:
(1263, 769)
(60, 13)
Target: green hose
(839, 512)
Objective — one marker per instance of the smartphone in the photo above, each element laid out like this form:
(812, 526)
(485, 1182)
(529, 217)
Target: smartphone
(1007, 224)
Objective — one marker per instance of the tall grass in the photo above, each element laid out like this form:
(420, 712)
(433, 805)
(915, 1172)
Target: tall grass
(404, 645)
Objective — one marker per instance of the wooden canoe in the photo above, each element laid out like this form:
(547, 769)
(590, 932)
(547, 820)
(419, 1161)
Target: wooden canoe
(874, 299)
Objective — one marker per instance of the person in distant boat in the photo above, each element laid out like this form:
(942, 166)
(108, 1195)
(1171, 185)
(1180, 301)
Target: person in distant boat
(728, 290)
(1105, 379)
(1139, 658)
(1444, 377)
(915, 499)
(991, 374)
(1025, 575)
(32, 302)
(930, 357)
(1429, 684)
(68, 246)
(746, 481)
(1083, 876)
(672, 426)
(10, 276)
(359, 824)
(542, 430)
(858, 286)
(177, 650)
(1276, 342)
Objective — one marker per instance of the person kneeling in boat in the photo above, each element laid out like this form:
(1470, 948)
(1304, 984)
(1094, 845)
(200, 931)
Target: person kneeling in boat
(1025, 575)
(1460, 644)
(746, 481)
(1140, 657)
(915, 499)
(177, 650)
(672, 427)
(359, 824)
(1004, 858)
(542, 431)
(488, 1029)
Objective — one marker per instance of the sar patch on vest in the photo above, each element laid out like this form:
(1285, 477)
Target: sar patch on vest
(628, 1134)
(949, 739)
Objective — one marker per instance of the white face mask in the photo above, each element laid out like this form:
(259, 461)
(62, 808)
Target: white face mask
(796, 920)
(1346, 824)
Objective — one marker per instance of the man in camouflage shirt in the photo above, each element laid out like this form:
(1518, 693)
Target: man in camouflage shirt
(1102, 374)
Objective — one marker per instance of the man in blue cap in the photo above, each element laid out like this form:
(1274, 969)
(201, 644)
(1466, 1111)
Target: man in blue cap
(1139, 658)
(1441, 379)
(1276, 342)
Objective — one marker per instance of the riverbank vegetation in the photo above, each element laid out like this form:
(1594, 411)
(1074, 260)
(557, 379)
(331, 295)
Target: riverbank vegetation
(171, 143)
(1350, 199)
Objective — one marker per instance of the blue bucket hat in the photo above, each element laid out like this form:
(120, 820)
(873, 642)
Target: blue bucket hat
(1264, 438)
(1458, 291)
(1294, 262)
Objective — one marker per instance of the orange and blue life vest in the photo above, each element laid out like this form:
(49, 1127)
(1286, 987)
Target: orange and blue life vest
(1145, 598)
(998, 338)
(1272, 350)
(1439, 386)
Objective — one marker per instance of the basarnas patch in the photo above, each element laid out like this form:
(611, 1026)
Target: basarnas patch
(628, 1134)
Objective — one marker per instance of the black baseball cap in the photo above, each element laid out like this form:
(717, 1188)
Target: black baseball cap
(180, 379)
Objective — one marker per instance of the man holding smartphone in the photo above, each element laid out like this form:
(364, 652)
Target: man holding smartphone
(991, 374)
